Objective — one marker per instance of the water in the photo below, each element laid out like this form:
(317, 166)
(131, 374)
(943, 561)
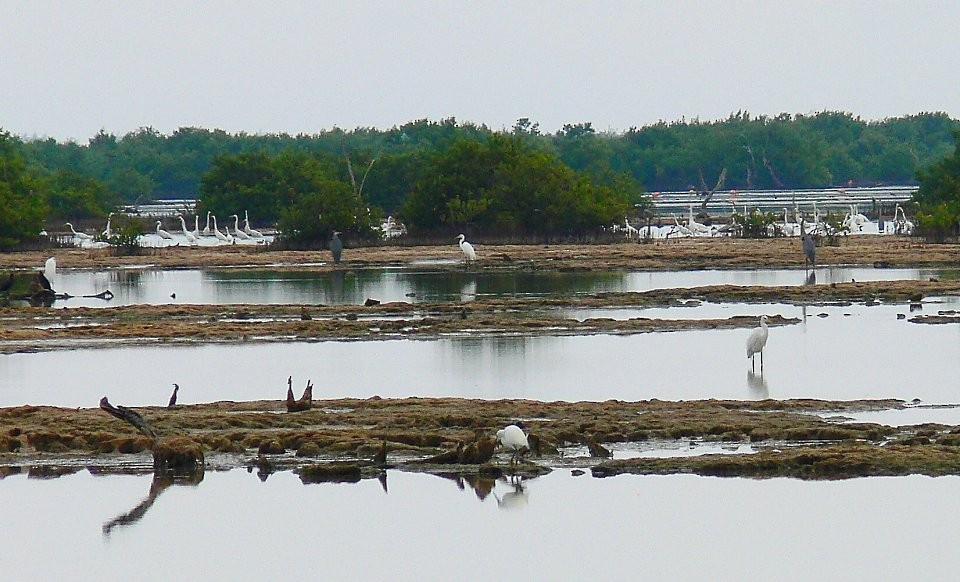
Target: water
(233, 527)
(271, 286)
(855, 352)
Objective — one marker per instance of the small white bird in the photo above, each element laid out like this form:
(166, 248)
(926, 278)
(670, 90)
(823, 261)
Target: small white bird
(216, 231)
(79, 235)
(467, 249)
(757, 341)
(108, 232)
(246, 227)
(162, 233)
(236, 228)
(190, 238)
(514, 438)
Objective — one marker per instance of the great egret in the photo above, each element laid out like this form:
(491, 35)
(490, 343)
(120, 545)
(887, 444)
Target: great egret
(196, 226)
(336, 247)
(79, 235)
(216, 231)
(190, 238)
(162, 233)
(247, 229)
(467, 248)
(757, 341)
(206, 229)
(696, 227)
(236, 228)
(50, 268)
(514, 438)
(107, 232)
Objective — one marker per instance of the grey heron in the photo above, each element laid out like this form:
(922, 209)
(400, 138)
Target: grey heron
(336, 247)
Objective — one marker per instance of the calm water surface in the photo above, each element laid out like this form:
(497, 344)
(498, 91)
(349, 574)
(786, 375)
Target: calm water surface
(258, 286)
(233, 527)
(853, 352)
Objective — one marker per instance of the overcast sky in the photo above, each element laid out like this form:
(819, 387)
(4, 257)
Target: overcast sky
(69, 69)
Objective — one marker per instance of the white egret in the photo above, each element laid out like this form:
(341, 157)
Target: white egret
(467, 248)
(236, 228)
(246, 227)
(50, 268)
(514, 438)
(190, 238)
(682, 229)
(196, 226)
(757, 341)
(79, 235)
(206, 229)
(162, 233)
(108, 232)
(216, 231)
(695, 227)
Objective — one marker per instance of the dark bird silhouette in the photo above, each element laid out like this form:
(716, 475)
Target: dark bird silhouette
(336, 247)
(173, 397)
(44, 282)
(809, 246)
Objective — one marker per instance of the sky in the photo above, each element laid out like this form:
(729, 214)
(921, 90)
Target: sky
(69, 69)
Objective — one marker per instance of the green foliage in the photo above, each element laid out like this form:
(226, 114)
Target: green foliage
(125, 234)
(833, 228)
(303, 192)
(70, 195)
(22, 206)
(756, 224)
(937, 223)
(502, 185)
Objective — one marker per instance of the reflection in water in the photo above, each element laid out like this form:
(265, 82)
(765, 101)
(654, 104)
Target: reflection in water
(811, 278)
(757, 385)
(515, 499)
(158, 485)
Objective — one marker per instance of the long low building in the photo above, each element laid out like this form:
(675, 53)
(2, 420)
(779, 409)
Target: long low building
(867, 200)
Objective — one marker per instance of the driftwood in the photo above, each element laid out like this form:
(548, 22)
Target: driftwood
(305, 402)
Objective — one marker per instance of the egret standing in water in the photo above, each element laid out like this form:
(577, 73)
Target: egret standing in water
(467, 248)
(757, 341)
(336, 247)
(514, 438)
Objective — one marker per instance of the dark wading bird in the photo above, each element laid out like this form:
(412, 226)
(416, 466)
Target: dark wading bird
(757, 341)
(336, 247)
(809, 246)
(173, 397)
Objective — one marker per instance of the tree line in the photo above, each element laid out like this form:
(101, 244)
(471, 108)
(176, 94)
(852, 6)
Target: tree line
(444, 174)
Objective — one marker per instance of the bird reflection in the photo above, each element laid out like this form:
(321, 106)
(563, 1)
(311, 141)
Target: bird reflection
(481, 485)
(158, 485)
(336, 286)
(468, 291)
(757, 385)
(513, 500)
(811, 278)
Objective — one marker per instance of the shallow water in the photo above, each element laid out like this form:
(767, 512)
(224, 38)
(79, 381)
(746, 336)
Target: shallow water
(233, 527)
(267, 286)
(854, 352)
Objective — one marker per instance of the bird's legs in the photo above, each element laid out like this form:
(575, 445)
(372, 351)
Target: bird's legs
(761, 362)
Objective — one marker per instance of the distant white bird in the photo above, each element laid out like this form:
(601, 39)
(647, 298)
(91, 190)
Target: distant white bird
(162, 233)
(682, 229)
(236, 228)
(467, 249)
(695, 227)
(247, 229)
(216, 232)
(196, 226)
(206, 229)
(514, 438)
(107, 232)
(757, 341)
(50, 268)
(79, 235)
(190, 238)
